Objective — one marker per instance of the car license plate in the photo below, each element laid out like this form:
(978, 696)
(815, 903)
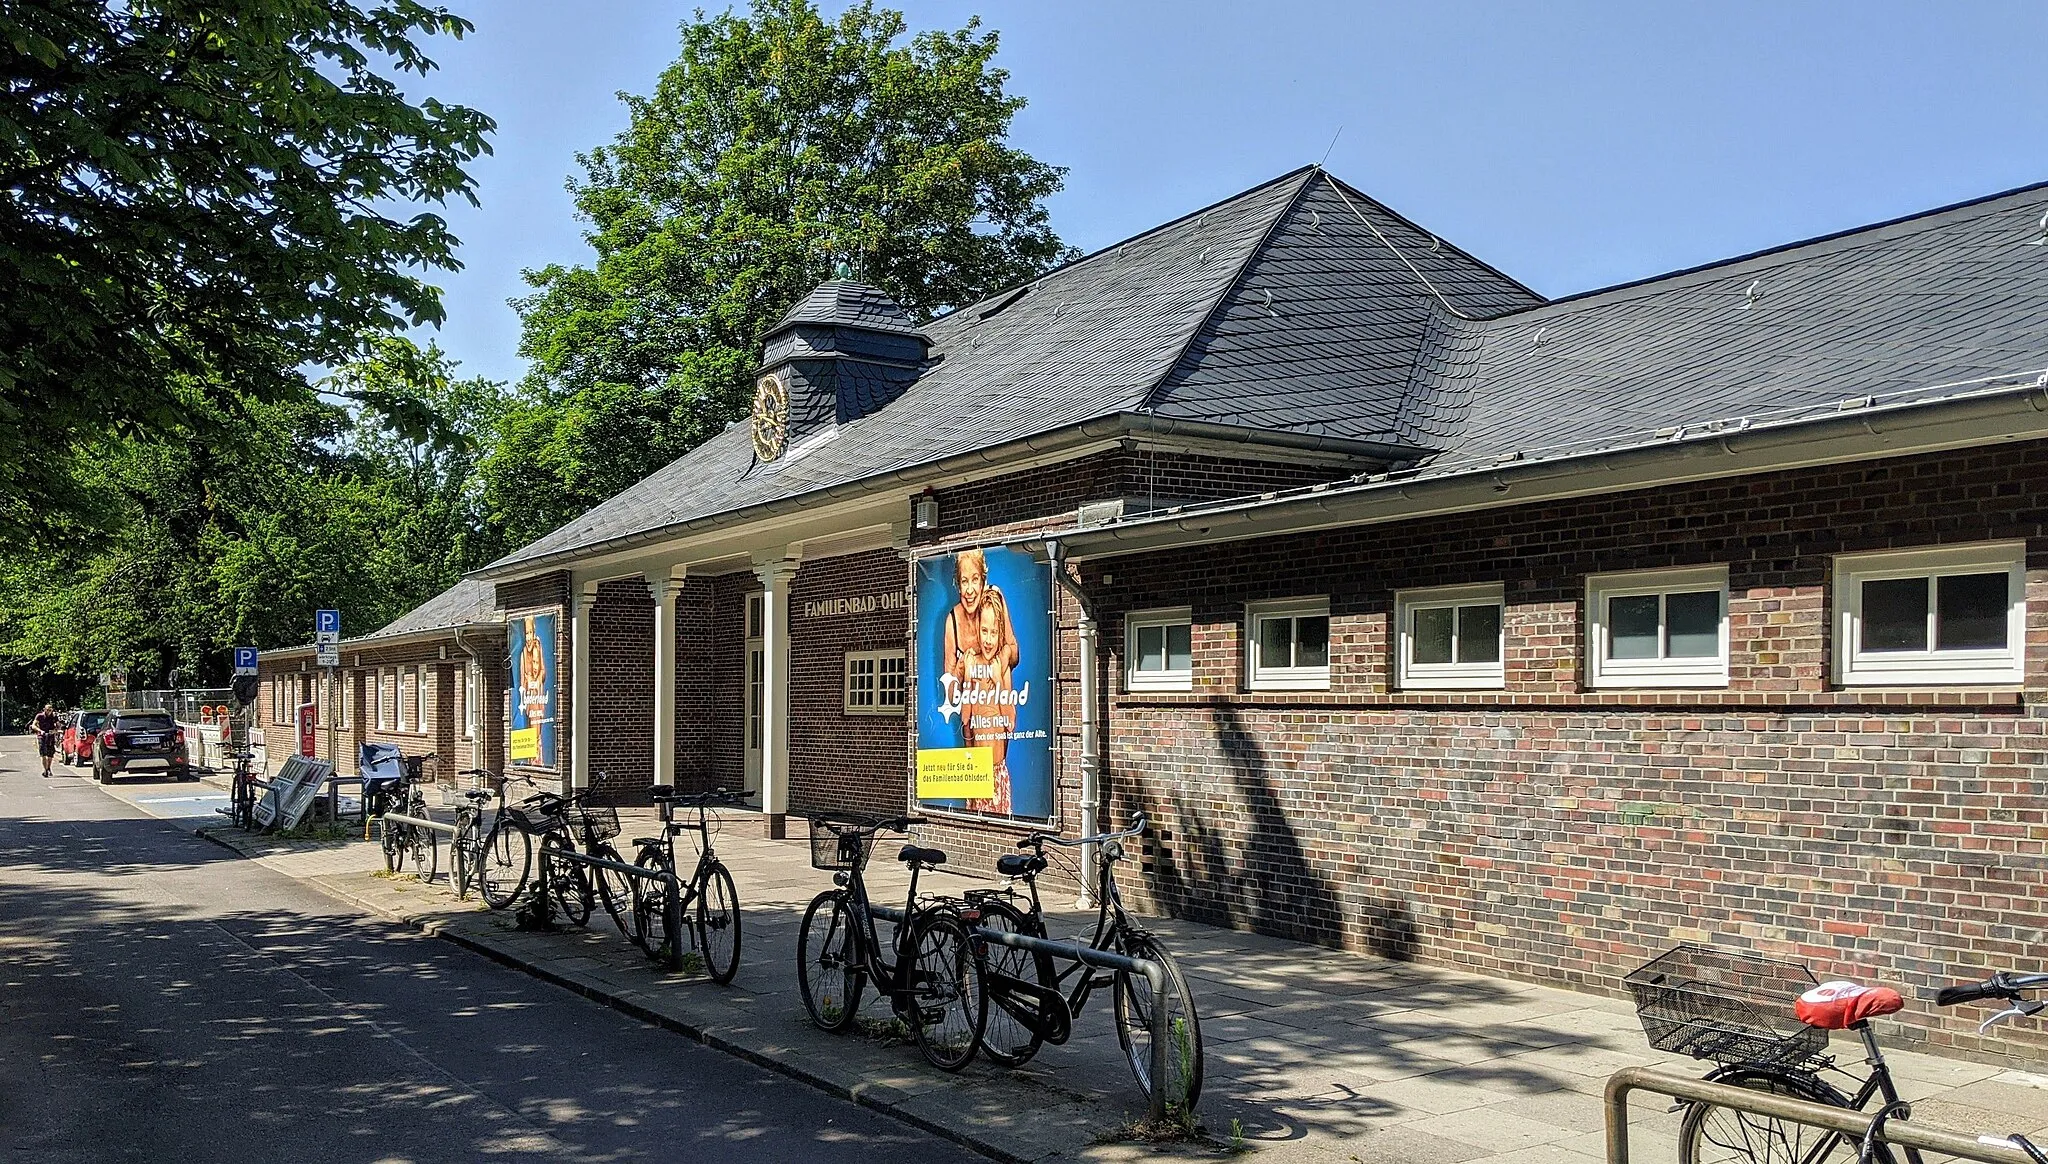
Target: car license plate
(145, 741)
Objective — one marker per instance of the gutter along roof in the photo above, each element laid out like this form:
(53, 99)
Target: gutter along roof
(1302, 313)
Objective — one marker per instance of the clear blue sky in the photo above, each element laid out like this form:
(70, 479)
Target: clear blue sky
(1573, 145)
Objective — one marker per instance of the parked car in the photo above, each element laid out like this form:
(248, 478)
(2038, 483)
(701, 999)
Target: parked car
(75, 746)
(131, 739)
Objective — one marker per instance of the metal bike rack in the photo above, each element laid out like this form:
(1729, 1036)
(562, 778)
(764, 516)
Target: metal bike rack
(539, 913)
(418, 822)
(1154, 974)
(1848, 1121)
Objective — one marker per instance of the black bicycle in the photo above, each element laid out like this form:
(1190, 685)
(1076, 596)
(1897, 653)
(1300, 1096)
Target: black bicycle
(466, 845)
(406, 843)
(709, 907)
(505, 862)
(1031, 1003)
(930, 970)
(2011, 989)
(241, 807)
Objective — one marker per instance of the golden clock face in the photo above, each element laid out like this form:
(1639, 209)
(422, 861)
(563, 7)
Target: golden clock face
(771, 417)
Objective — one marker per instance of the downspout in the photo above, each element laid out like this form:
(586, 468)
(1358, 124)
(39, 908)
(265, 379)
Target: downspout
(476, 738)
(1091, 748)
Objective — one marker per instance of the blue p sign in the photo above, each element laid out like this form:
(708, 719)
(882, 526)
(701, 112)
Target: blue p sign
(245, 660)
(327, 622)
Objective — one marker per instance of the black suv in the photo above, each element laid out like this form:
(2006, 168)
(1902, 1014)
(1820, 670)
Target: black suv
(132, 738)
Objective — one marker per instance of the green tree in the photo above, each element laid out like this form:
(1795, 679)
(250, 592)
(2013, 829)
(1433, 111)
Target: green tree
(198, 198)
(777, 144)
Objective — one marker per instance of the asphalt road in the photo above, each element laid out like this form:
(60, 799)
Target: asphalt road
(163, 999)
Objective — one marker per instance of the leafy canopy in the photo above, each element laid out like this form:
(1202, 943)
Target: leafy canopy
(196, 201)
(777, 144)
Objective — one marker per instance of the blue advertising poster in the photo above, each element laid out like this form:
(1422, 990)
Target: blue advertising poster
(530, 640)
(984, 683)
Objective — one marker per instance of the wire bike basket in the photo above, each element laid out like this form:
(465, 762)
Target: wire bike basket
(840, 844)
(599, 822)
(1725, 1005)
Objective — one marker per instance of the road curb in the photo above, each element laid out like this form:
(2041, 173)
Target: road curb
(437, 927)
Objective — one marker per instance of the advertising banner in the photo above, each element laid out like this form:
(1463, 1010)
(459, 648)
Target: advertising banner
(984, 683)
(530, 643)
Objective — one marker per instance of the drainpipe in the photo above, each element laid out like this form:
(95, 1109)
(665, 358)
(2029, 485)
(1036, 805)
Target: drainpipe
(1091, 748)
(476, 739)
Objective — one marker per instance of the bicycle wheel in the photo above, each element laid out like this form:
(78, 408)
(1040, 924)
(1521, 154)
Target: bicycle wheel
(945, 988)
(1134, 1000)
(502, 874)
(568, 885)
(1719, 1135)
(614, 890)
(1008, 1037)
(718, 924)
(395, 842)
(828, 963)
(425, 846)
(650, 906)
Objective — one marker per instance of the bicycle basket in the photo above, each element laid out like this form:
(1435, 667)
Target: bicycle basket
(840, 844)
(1725, 1005)
(451, 795)
(597, 822)
(526, 820)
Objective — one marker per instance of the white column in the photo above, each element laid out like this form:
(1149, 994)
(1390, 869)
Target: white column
(775, 578)
(663, 588)
(579, 685)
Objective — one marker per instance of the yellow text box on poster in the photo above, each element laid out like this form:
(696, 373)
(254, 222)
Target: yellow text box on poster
(956, 773)
(525, 743)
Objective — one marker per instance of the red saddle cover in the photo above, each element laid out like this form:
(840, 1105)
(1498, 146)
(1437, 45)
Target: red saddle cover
(1837, 1006)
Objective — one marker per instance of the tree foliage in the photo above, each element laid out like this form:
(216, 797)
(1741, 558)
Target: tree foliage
(196, 201)
(777, 144)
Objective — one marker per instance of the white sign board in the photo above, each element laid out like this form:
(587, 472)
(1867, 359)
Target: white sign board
(327, 654)
(291, 792)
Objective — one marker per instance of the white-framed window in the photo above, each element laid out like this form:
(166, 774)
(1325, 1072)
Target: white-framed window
(1288, 645)
(1450, 637)
(874, 682)
(419, 698)
(277, 701)
(1952, 615)
(344, 684)
(1159, 650)
(386, 682)
(1658, 628)
(469, 702)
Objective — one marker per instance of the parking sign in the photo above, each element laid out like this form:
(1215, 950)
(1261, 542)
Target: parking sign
(245, 660)
(327, 622)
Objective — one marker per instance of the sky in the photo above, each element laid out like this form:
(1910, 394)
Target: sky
(1572, 145)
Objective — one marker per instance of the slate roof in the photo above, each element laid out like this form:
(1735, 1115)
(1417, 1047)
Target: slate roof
(471, 601)
(1169, 322)
(844, 302)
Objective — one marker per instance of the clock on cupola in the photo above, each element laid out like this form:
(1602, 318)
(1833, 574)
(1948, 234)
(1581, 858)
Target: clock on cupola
(844, 351)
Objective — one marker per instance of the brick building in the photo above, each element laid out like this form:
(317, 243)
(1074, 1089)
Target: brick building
(433, 681)
(1423, 615)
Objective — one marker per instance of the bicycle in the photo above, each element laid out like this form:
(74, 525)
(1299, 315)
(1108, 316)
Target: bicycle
(715, 923)
(241, 807)
(506, 860)
(403, 841)
(2010, 988)
(930, 970)
(1730, 1007)
(466, 846)
(1031, 1004)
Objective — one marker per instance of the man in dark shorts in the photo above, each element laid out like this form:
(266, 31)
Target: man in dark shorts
(47, 727)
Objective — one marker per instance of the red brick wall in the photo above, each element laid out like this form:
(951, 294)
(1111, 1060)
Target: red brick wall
(621, 692)
(1561, 834)
(837, 760)
(726, 692)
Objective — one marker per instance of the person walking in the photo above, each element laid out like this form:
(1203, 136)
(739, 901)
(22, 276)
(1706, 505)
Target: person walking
(46, 725)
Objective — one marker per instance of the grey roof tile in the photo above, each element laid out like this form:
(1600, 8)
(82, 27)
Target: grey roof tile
(470, 602)
(851, 304)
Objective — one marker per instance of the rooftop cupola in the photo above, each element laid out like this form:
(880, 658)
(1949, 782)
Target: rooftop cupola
(843, 351)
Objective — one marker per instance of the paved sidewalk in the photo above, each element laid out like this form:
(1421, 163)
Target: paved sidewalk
(1312, 1055)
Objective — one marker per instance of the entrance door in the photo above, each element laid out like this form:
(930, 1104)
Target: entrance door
(756, 679)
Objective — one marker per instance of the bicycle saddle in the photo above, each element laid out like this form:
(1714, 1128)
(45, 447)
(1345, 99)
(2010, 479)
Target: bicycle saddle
(1019, 865)
(662, 792)
(643, 842)
(929, 858)
(476, 794)
(1837, 1006)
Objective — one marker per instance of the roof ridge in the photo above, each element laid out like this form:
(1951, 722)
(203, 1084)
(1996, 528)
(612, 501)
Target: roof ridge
(1223, 294)
(1421, 229)
(1651, 282)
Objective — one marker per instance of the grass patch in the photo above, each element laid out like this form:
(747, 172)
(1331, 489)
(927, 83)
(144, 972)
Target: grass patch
(1179, 1128)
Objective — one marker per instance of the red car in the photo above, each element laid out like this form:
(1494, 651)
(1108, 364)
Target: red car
(74, 747)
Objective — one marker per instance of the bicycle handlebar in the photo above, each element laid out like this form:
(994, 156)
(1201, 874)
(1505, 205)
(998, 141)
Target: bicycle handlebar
(2002, 984)
(1139, 823)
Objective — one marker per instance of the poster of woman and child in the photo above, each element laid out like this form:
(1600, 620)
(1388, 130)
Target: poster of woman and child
(984, 683)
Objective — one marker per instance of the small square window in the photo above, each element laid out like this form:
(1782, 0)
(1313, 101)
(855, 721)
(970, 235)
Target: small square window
(875, 683)
(1658, 628)
(1953, 615)
(1449, 637)
(1159, 651)
(1290, 645)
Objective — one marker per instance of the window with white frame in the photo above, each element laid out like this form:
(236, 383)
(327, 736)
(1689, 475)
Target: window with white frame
(1289, 645)
(1658, 628)
(1951, 615)
(874, 683)
(419, 698)
(277, 701)
(1450, 637)
(469, 702)
(344, 684)
(384, 700)
(1159, 650)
